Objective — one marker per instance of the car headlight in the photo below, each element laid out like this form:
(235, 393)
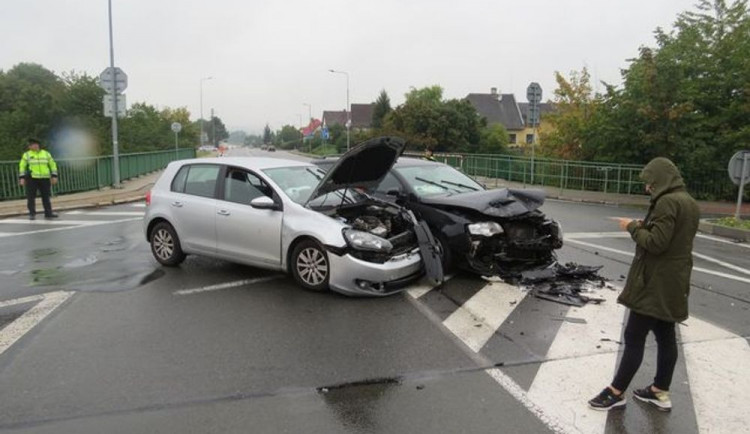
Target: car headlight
(485, 229)
(366, 241)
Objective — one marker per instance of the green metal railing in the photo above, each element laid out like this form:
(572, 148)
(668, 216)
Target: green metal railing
(82, 174)
(582, 175)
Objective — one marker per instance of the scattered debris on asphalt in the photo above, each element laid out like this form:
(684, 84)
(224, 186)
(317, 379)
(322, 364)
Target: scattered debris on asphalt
(570, 284)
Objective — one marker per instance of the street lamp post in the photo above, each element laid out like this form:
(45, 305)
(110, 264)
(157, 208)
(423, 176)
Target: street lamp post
(201, 81)
(348, 111)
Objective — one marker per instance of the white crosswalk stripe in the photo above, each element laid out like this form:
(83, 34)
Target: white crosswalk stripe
(479, 318)
(69, 220)
(582, 356)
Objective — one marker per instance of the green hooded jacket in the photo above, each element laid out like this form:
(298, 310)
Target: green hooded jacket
(658, 283)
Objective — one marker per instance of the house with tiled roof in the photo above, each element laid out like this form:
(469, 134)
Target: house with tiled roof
(500, 109)
(361, 116)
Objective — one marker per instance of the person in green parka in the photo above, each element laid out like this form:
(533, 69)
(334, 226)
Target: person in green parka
(658, 284)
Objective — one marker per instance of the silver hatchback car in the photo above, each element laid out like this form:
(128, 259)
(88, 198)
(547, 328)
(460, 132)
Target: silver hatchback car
(291, 216)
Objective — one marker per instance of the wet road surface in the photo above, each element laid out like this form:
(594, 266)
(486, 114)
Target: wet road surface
(124, 345)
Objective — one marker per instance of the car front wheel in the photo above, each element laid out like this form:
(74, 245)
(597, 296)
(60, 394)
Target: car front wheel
(165, 245)
(310, 266)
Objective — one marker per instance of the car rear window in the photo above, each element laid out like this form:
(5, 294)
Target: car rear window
(178, 183)
(201, 180)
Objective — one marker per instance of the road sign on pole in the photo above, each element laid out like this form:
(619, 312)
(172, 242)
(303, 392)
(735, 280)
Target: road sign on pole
(176, 127)
(739, 173)
(534, 96)
(108, 103)
(113, 80)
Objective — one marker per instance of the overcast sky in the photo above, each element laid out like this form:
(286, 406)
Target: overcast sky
(268, 57)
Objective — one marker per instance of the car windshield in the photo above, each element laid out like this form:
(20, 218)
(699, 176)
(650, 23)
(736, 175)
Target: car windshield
(434, 180)
(299, 182)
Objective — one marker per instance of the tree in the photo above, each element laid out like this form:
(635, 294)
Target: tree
(575, 107)
(493, 139)
(426, 121)
(381, 109)
(288, 137)
(30, 105)
(267, 135)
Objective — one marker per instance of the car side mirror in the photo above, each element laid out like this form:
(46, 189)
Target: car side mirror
(394, 193)
(264, 202)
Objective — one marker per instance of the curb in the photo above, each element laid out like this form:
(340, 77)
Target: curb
(708, 227)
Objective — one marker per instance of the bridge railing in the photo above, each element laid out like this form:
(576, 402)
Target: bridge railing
(91, 173)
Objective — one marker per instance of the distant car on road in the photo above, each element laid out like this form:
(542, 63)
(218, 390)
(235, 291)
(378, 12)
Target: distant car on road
(271, 148)
(291, 216)
(484, 231)
(263, 147)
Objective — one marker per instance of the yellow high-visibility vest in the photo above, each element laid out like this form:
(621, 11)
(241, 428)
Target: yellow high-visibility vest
(37, 164)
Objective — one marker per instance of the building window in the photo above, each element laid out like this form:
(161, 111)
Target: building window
(529, 139)
(512, 138)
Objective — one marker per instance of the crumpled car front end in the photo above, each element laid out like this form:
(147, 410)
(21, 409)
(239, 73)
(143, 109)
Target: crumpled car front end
(508, 245)
(499, 232)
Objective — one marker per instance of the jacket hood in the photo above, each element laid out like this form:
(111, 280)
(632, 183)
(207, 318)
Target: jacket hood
(662, 175)
(364, 166)
(501, 202)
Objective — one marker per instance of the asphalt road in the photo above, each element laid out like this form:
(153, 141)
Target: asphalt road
(96, 337)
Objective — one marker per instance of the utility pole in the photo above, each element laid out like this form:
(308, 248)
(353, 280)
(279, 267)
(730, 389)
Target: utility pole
(348, 110)
(115, 147)
(213, 129)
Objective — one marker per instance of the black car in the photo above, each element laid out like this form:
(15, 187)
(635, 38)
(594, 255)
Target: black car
(500, 231)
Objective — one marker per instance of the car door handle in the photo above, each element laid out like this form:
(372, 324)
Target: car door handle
(177, 204)
(223, 212)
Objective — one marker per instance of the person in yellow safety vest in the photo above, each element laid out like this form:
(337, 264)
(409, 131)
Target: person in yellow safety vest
(37, 171)
(428, 154)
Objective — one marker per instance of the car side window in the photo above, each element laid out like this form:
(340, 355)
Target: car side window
(201, 180)
(241, 186)
(178, 183)
(389, 183)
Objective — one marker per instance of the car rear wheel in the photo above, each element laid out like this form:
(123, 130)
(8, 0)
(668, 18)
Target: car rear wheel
(165, 245)
(310, 266)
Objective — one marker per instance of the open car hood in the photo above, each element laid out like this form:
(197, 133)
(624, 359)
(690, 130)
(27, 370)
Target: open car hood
(364, 166)
(501, 202)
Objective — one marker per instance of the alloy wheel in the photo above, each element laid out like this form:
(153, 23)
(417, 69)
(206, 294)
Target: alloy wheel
(312, 266)
(163, 244)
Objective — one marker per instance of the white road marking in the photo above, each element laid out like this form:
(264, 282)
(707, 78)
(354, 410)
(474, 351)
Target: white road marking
(589, 235)
(138, 205)
(114, 213)
(509, 385)
(631, 254)
(575, 369)
(228, 285)
(44, 222)
(88, 224)
(488, 308)
(722, 263)
(717, 363)
(722, 240)
(423, 287)
(23, 300)
(12, 332)
(623, 234)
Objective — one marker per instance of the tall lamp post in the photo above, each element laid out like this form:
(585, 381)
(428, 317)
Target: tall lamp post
(348, 112)
(202, 80)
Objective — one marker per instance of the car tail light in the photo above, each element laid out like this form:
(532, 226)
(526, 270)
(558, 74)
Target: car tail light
(148, 198)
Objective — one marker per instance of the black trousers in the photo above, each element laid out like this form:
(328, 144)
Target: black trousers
(44, 186)
(635, 341)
